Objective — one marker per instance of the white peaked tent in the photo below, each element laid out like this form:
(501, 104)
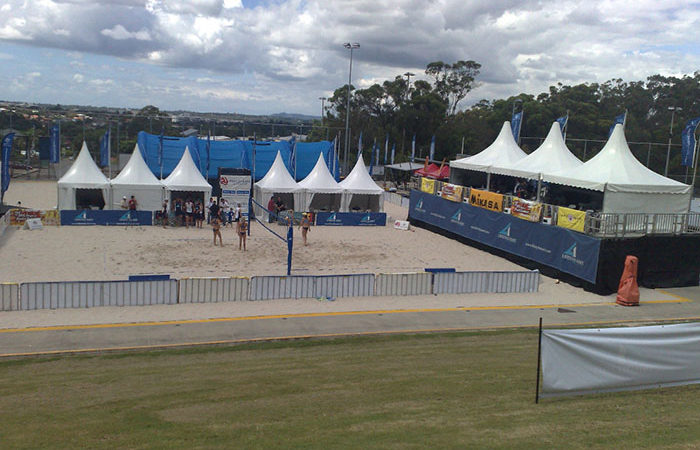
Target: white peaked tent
(627, 186)
(84, 186)
(551, 156)
(277, 182)
(361, 192)
(137, 179)
(502, 151)
(321, 191)
(186, 179)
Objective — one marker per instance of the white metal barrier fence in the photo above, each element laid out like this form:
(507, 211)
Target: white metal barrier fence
(85, 294)
(9, 296)
(271, 287)
(389, 284)
(491, 282)
(212, 290)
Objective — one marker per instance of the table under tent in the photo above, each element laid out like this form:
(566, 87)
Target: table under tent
(475, 170)
(137, 179)
(277, 182)
(551, 156)
(186, 181)
(321, 191)
(361, 193)
(626, 185)
(83, 186)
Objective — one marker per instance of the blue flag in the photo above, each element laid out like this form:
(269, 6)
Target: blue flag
(359, 144)
(413, 148)
(6, 150)
(386, 148)
(515, 125)
(393, 152)
(55, 145)
(688, 142)
(563, 121)
(104, 150)
(371, 159)
(622, 118)
(432, 148)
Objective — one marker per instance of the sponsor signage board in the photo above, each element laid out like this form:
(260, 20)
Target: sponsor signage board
(560, 248)
(571, 218)
(369, 219)
(235, 189)
(487, 200)
(452, 192)
(106, 217)
(18, 217)
(526, 210)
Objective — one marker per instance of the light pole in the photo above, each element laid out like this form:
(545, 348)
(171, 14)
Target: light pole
(673, 110)
(408, 76)
(323, 109)
(351, 47)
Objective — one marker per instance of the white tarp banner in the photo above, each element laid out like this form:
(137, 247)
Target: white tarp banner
(616, 359)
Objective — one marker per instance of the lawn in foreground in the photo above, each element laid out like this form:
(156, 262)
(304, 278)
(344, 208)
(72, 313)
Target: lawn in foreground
(468, 390)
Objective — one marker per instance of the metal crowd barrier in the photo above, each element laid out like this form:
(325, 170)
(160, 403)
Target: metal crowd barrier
(212, 290)
(87, 294)
(391, 284)
(9, 296)
(295, 286)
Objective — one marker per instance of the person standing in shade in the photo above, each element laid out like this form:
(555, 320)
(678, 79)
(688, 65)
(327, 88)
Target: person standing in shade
(133, 204)
(216, 227)
(242, 231)
(189, 213)
(271, 209)
(304, 226)
(237, 213)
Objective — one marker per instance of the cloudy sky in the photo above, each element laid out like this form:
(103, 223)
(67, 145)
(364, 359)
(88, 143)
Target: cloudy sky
(269, 56)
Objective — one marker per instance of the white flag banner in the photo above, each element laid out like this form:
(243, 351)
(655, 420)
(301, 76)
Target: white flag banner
(618, 359)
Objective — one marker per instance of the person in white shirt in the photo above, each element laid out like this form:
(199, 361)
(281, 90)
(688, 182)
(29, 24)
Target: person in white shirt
(225, 211)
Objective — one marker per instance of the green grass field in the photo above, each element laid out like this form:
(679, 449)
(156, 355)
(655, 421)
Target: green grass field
(466, 390)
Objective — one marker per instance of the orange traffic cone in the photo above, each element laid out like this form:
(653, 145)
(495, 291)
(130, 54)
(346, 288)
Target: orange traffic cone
(628, 290)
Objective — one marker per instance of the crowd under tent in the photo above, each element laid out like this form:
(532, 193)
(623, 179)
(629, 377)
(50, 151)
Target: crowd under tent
(137, 179)
(185, 181)
(475, 170)
(552, 156)
(84, 186)
(361, 193)
(626, 184)
(321, 191)
(277, 182)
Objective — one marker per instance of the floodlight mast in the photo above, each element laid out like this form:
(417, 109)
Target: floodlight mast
(351, 47)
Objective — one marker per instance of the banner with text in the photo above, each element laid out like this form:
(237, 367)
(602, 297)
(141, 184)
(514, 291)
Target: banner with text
(452, 192)
(526, 210)
(427, 185)
(571, 219)
(562, 249)
(19, 216)
(236, 189)
(106, 217)
(350, 219)
(487, 200)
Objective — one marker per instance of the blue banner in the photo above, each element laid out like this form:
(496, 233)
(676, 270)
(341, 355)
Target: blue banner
(351, 219)
(562, 249)
(55, 149)
(393, 152)
(386, 149)
(6, 151)
(515, 125)
(432, 148)
(619, 119)
(688, 142)
(413, 148)
(562, 123)
(106, 217)
(104, 150)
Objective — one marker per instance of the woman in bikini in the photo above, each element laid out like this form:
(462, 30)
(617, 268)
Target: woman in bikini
(304, 226)
(242, 230)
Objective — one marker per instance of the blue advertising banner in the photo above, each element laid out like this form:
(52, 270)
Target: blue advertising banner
(54, 150)
(688, 142)
(350, 219)
(6, 150)
(106, 217)
(562, 249)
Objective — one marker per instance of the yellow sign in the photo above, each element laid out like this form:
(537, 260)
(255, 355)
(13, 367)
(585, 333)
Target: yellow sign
(487, 200)
(526, 210)
(427, 185)
(19, 216)
(452, 192)
(571, 219)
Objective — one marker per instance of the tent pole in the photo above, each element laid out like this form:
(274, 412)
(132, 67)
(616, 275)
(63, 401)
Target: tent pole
(488, 179)
(539, 186)
(695, 171)
(539, 363)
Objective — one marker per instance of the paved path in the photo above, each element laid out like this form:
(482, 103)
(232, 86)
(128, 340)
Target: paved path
(679, 304)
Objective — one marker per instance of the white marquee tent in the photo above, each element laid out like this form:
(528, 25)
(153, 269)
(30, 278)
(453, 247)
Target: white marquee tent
(361, 192)
(186, 179)
(627, 185)
(137, 179)
(321, 191)
(277, 182)
(84, 185)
